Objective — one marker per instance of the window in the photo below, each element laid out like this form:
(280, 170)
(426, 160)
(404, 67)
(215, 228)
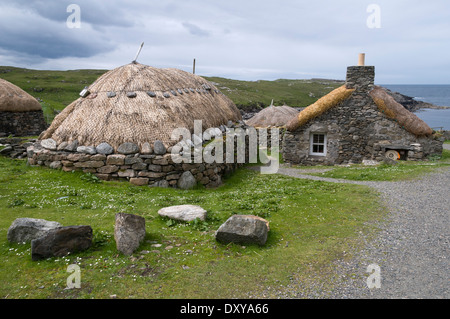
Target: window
(318, 144)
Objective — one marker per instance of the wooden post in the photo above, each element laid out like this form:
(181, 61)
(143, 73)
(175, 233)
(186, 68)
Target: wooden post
(361, 59)
(193, 70)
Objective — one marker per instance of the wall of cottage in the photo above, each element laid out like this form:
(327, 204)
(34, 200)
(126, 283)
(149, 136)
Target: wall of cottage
(22, 123)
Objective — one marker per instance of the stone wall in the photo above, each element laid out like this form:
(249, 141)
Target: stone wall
(15, 147)
(360, 78)
(22, 123)
(356, 130)
(139, 169)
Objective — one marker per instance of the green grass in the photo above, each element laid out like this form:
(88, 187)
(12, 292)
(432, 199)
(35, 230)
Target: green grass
(312, 223)
(57, 89)
(403, 170)
(295, 93)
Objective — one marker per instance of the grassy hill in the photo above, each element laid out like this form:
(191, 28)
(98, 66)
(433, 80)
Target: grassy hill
(56, 89)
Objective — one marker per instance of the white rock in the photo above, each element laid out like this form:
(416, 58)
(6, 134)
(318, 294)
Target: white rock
(49, 144)
(185, 213)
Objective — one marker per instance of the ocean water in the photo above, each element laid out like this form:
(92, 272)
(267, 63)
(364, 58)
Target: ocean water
(435, 94)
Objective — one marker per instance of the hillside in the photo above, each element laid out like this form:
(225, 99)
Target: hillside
(56, 89)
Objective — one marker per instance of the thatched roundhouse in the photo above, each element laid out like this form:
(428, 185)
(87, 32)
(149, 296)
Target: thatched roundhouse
(20, 113)
(121, 127)
(273, 116)
(140, 104)
(355, 122)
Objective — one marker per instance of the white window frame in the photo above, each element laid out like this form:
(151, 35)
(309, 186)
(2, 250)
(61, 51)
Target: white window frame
(311, 144)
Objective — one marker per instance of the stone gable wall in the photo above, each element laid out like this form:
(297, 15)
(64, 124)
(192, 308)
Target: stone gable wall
(22, 123)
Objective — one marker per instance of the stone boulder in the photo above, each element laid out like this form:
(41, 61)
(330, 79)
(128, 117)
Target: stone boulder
(184, 213)
(128, 148)
(87, 150)
(26, 229)
(61, 241)
(186, 181)
(159, 148)
(243, 229)
(49, 144)
(129, 232)
(104, 148)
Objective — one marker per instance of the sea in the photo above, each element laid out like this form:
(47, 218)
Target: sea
(435, 94)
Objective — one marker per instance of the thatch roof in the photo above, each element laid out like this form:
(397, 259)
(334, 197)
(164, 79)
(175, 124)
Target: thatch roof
(14, 99)
(273, 116)
(319, 107)
(138, 103)
(385, 102)
(394, 110)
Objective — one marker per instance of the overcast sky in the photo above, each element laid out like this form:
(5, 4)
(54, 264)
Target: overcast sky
(408, 41)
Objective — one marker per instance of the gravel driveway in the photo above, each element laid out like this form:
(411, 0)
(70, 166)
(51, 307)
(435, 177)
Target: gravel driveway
(412, 248)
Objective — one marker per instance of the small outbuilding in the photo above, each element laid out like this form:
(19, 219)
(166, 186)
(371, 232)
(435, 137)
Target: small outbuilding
(20, 113)
(355, 122)
(273, 116)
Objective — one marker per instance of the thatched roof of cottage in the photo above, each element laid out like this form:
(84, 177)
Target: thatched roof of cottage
(394, 110)
(273, 116)
(319, 107)
(385, 103)
(14, 99)
(139, 103)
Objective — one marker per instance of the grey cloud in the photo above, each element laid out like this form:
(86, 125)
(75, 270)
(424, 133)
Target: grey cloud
(195, 30)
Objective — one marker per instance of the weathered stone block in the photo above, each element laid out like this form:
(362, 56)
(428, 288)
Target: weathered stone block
(27, 229)
(128, 148)
(115, 159)
(105, 149)
(87, 149)
(126, 173)
(185, 213)
(186, 181)
(243, 229)
(61, 242)
(107, 169)
(89, 164)
(139, 166)
(129, 232)
(151, 174)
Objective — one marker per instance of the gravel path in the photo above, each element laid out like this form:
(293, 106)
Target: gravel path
(412, 248)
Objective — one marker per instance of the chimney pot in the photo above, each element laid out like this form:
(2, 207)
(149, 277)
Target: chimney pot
(361, 58)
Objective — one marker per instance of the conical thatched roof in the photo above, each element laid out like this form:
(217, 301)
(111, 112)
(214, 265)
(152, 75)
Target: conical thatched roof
(138, 103)
(14, 99)
(273, 116)
(385, 103)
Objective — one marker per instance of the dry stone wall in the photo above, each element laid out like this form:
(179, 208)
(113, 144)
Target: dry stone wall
(152, 164)
(22, 123)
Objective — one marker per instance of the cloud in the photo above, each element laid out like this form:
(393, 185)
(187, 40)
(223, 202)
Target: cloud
(195, 30)
(250, 39)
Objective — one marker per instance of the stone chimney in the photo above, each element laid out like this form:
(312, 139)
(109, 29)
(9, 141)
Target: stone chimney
(361, 77)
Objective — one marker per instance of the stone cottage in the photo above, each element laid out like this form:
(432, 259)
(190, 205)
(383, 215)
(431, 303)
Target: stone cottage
(355, 122)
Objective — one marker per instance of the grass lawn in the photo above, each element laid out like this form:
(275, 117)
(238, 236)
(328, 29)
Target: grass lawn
(311, 224)
(403, 170)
